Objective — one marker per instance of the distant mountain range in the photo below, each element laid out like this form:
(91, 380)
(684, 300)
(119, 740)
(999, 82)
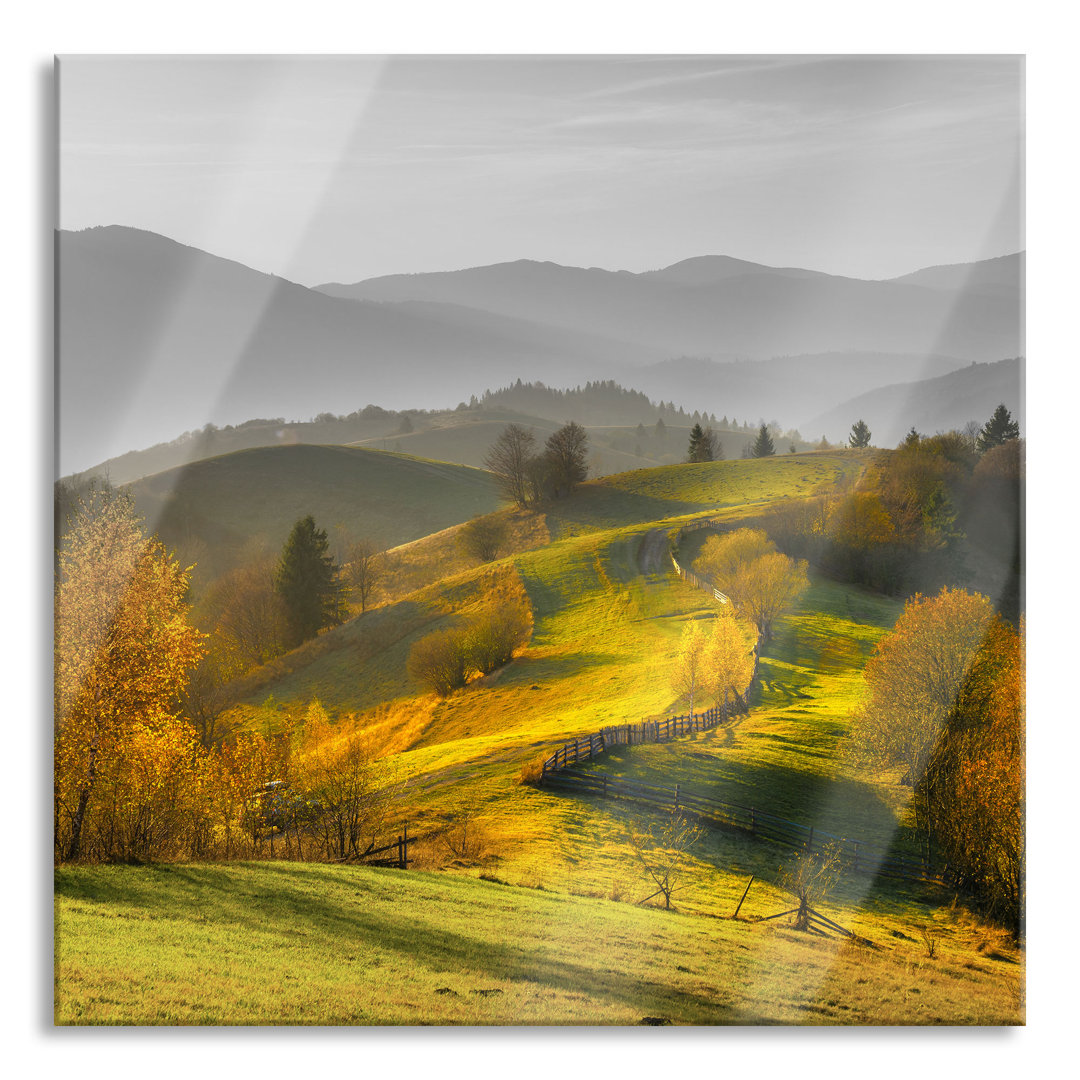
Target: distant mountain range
(155, 338)
(717, 306)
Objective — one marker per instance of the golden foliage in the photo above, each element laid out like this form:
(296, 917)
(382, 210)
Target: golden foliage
(760, 581)
(122, 650)
(689, 663)
(728, 659)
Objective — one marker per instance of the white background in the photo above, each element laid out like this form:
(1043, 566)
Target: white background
(32, 34)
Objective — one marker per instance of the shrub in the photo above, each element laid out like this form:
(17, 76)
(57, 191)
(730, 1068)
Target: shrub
(493, 637)
(439, 661)
(531, 771)
(484, 537)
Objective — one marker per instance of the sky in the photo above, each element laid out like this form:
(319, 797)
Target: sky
(324, 168)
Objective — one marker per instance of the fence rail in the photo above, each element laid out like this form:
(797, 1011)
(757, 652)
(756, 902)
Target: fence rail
(857, 855)
(587, 747)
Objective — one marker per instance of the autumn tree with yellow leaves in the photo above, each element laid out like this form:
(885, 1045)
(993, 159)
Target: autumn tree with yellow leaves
(122, 650)
(728, 660)
(689, 667)
(760, 581)
(945, 700)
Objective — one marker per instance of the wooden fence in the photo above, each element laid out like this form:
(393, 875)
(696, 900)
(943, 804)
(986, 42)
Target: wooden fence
(856, 855)
(648, 731)
(398, 853)
(688, 575)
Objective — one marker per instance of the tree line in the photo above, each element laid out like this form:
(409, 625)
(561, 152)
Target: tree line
(920, 514)
(760, 583)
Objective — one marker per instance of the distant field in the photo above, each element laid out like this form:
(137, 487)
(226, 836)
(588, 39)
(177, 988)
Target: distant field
(669, 491)
(277, 943)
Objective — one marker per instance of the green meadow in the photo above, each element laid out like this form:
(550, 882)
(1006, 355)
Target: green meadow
(537, 920)
(281, 943)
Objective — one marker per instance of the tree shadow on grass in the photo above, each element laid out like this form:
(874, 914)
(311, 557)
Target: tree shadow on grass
(337, 910)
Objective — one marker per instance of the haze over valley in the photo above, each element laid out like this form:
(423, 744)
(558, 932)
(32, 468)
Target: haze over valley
(157, 338)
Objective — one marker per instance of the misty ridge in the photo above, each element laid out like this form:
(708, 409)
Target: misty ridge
(156, 338)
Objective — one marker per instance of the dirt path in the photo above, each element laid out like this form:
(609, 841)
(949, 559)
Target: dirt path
(653, 552)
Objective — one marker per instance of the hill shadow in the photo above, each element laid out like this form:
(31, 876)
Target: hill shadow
(371, 914)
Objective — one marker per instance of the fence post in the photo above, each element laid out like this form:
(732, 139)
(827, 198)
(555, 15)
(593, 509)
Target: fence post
(856, 856)
(743, 897)
(400, 853)
(810, 842)
(405, 848)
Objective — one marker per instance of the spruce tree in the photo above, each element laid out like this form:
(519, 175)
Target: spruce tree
(860, 435)
(763, 444)
(307, 582)
(693, 451)
(999, 429)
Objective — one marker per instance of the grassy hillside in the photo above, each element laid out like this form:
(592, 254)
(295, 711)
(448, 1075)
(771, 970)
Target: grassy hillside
(608, 616)
(545, 939)
(306, 944)
(581, 586)
(211, 510)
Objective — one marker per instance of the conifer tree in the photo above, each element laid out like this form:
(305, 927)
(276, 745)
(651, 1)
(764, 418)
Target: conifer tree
(693, 451)
(1000, 428)
(860, 435)
(307, 582)
(763, 444)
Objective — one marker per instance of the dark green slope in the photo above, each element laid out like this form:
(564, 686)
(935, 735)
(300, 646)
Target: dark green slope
(214, 510)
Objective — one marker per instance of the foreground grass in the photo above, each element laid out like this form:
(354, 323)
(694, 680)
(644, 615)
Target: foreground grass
(277, 943)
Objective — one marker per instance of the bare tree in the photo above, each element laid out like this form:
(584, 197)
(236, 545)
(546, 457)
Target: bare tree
(567, 451)
(251, 623)
(810, 879)
(363, 570)
(663, 851)
(508, 460)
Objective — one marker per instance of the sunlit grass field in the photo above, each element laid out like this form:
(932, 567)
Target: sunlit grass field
(554, 934)
(275, 943)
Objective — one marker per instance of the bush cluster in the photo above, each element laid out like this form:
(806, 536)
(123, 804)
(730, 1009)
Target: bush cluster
(444, 661)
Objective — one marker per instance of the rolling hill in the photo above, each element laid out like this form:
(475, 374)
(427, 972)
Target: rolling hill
(1003, 277)
(212, 510)
(155, 338)
(557, 872)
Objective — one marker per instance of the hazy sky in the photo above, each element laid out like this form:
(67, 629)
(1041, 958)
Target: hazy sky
(341, 168)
